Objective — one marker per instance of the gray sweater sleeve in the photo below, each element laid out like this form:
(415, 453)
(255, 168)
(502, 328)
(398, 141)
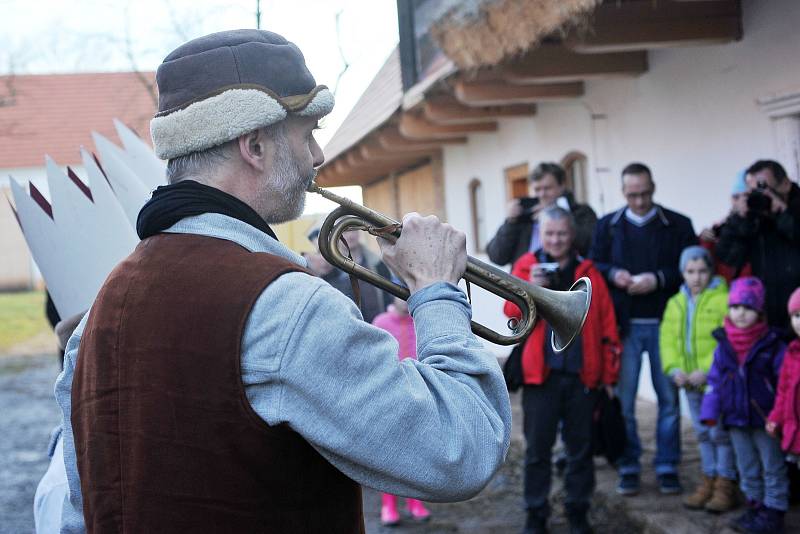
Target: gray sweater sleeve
(435, 429)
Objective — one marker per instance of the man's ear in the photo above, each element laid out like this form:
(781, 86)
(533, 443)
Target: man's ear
(253, 149)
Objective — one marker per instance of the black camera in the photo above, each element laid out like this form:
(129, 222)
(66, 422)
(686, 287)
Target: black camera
(758, 202)
(527, 204)
(550, 270)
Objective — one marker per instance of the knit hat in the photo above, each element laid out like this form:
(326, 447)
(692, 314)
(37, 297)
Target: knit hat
(739, 186)
(794, 301)
(215, 88)
(695, 252)
(747, 291)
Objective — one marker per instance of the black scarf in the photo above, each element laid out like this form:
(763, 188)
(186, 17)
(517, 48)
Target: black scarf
(171, 203)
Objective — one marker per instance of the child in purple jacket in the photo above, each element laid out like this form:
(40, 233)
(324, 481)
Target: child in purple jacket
(742, 384)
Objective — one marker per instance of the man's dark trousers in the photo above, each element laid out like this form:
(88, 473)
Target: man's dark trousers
(561, 398)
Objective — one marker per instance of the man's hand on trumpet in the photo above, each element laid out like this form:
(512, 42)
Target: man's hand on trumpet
(427, 251)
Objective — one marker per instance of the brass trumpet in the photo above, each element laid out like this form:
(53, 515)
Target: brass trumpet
(565, 311)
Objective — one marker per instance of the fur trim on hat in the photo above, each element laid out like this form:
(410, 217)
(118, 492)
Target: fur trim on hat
(320, 105)
(223, 117)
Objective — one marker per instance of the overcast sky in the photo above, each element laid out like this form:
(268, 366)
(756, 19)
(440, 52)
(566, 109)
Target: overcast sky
(116, 35)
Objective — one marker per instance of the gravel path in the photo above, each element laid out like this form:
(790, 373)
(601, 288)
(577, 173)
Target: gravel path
(29, 413)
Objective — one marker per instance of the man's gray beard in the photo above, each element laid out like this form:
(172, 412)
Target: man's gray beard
(284, 188)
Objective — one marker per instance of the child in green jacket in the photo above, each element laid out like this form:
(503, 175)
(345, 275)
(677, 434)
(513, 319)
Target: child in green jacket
(687, 350)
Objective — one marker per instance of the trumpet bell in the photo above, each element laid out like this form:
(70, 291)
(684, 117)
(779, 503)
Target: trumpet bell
(566, 312)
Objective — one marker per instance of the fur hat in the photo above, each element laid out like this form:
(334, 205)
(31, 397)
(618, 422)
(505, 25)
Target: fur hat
(215, 88)
(747, 291)
(794, 301)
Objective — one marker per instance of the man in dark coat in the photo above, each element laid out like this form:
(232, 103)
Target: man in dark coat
(767, 235)
(520, 231)
(637, 248)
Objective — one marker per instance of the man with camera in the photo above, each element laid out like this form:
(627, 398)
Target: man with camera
(766, 234)
(520, 231)
(562, 388)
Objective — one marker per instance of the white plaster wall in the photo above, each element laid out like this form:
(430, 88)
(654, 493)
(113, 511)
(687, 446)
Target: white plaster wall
(693, 118)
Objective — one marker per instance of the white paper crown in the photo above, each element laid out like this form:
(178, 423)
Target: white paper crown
(89, 225)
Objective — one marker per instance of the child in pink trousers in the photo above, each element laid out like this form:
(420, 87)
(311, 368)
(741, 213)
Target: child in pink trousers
(783, 420)
(397, 321)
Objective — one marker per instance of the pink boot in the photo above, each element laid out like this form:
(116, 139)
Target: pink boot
(389, 514)
(417, 510)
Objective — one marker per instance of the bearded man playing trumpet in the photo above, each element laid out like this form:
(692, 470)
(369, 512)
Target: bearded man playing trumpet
(215, 385)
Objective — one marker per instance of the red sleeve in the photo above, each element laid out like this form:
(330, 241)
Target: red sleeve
(777, 415)
(612, 347)
(521, 269)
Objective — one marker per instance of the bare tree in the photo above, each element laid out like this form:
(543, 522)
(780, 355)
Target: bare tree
(345, 63)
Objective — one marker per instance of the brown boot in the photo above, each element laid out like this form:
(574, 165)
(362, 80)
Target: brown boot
(701, 495)
(725, 497)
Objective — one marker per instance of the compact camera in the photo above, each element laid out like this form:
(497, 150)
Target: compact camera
(758, 202)
(527, 204)
(549, 270)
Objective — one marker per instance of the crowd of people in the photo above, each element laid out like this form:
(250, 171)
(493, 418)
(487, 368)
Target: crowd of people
(715, 314)
(217, 384)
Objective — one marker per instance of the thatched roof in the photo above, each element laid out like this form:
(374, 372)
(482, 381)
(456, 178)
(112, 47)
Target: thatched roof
(484, 32)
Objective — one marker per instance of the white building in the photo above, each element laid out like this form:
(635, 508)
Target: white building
(696, 90)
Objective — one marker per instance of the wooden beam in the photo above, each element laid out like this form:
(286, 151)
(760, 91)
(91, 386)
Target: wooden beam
(642, 25)
(329, 177)
(555, 63)
(356, 158)
(445, 109)
(392, 139)
(416, 127)
(373, 150)
(487, 93)
(342, 172)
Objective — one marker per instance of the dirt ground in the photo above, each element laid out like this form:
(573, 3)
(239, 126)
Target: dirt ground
(29, 413)
(498, 509)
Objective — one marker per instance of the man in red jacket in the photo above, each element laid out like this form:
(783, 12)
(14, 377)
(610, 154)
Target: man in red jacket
(562, 388)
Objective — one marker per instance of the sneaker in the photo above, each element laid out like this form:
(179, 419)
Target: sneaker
(390, 517)
(668, 484)
(767, 521)
(417, 510)
(744, 523)
(628, 484)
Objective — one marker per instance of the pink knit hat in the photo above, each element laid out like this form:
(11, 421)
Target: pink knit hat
(747, 291)
(794, 301)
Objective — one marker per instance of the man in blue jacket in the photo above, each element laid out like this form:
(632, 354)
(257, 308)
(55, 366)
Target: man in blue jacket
(637, 248)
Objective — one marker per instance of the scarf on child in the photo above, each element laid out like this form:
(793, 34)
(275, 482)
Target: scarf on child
(743, 339)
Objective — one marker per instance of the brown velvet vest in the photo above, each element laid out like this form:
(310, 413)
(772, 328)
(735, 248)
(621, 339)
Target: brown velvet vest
(166, 439)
